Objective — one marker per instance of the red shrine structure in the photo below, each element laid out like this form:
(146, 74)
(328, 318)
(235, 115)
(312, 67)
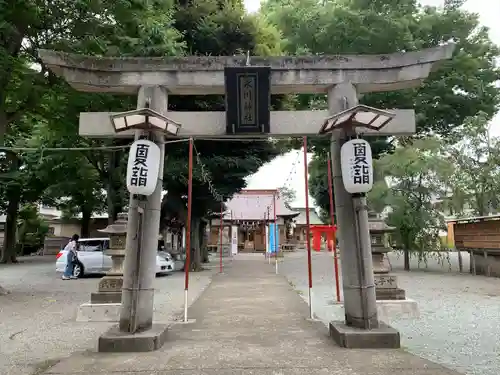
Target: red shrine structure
(318, 230)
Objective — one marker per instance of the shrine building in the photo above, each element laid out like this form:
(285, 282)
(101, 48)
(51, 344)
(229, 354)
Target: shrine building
(249, 211)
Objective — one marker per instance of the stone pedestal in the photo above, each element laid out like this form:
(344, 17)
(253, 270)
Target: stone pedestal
(386, 285)
(109, 290)
(382, 337)
(110, 286)
(105, 303)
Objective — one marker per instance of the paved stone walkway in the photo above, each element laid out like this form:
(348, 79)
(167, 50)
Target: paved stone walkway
(249, 321)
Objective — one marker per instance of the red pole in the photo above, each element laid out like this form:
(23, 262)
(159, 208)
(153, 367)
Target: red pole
(220, 232)
(308, 226)
(188, 228)
(332, 218)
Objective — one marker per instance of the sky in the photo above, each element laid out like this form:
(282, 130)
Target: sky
(289, 168)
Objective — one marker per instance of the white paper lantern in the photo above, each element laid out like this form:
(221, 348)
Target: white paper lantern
(143, 167)
(357, 166)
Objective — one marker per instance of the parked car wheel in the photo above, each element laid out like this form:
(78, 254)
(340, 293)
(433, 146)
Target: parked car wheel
(78, 270)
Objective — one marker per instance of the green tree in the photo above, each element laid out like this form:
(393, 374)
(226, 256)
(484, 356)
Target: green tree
(32, 230)
(105, 28)
(460, 88)
(287, 193)
(214, 28)
(475, 178)
(411, 184)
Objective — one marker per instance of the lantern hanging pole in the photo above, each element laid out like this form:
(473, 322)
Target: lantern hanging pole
(188, 229)
(332, 218)
(220, 234)
(308, 226)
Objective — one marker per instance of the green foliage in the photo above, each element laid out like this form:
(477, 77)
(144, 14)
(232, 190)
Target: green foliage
(287, 194)
(31, 94)
(474, 180)
(31, 230)
(459, 88)
(411, 184)
(216, 28)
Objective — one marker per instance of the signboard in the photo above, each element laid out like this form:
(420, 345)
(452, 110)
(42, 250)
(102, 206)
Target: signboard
(274, 238)
(234, 239)
(268, 248)
(248, 99)
(143, 167)
(357, 166)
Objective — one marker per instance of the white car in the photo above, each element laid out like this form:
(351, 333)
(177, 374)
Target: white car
(92, 260)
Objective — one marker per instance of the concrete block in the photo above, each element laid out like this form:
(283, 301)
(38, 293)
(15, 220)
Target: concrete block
(386, 309)
(116, 341)
(98, 312)
(394, 309)
(383, 337)
(106, 297)
(383, 294)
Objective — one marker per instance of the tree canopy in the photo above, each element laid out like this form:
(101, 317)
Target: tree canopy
(39, 110)
(459, 88)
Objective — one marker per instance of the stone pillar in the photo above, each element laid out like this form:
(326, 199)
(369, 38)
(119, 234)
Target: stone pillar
(138, 289)
(135, 331)
(110, 286)
(175, 242)
(359, 294)
(361, 328)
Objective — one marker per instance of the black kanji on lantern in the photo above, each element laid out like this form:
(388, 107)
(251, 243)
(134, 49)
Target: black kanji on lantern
(361, 169)
(248, 99)
(140, 168)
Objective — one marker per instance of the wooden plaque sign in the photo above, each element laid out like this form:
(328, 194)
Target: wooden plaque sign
(248, 99)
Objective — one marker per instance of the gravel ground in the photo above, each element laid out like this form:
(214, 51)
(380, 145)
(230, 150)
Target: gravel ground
(459, 313)
(38, 319)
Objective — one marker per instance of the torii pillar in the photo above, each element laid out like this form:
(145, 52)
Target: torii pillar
(342, 78)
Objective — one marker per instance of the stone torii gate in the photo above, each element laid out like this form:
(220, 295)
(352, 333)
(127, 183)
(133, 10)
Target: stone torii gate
(343, 78)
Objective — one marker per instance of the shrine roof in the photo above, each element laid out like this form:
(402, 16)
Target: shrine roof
(253, 205)
(379, 225)
(314, 219)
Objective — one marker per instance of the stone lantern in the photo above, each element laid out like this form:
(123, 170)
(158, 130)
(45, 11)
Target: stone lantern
(110, 286)
(386, 285)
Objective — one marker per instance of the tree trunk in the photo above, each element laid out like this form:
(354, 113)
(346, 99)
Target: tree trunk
(406, 259)
(195, 244)
(14, 197)
(203, 242)
(86, 218)
(110, 203)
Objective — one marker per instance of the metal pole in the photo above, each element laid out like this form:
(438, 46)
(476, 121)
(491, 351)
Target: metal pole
(364, 250)
(188, 229)
(332, 218)
(128, 312)
(308, 226)
(134, 324)
(275, 234)
(220, 234)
